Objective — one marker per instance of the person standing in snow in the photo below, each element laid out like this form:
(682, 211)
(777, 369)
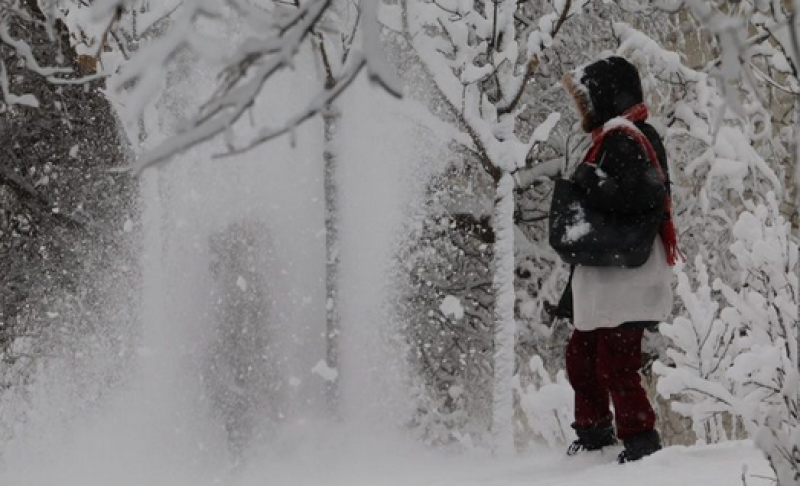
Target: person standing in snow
(624, 174)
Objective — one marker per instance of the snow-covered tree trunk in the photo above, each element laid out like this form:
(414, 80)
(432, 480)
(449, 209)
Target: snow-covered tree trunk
(333, 46)
(505, 325)
(330, 117)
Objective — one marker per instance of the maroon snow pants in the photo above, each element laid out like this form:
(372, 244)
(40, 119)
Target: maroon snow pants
(604, 363)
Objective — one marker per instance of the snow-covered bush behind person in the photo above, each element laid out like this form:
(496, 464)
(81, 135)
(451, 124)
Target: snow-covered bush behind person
(446, 308)
(714, 164)
(764, 305)
(718, 158)
(749, 48)
(743, 359)
(701, 352)
(547, 405)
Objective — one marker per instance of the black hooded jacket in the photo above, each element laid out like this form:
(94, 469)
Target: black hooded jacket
(623, 180)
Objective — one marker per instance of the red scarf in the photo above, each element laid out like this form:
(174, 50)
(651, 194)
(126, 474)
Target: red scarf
(634, 114)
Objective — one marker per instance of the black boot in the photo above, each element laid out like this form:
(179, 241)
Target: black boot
(592, 438)
(640, 445)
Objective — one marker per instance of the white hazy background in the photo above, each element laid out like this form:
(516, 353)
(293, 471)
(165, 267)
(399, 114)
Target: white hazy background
(157, 429)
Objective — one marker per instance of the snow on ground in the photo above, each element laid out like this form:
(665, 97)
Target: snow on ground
(374, 464)
(321, 455)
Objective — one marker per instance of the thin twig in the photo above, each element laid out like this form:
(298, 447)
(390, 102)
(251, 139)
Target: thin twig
(316, 105)
(104, 38)
(533, 64)
(530, 70)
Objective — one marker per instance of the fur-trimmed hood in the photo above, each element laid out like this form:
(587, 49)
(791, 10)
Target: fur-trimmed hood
(604, 89)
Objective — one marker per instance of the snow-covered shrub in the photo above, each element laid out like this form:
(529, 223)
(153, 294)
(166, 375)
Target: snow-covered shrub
(442, 420)
(743, 359)
(702, 350)
(446, 306)
(718, 158)
(546, 405)
(69, 277)
(766, 373)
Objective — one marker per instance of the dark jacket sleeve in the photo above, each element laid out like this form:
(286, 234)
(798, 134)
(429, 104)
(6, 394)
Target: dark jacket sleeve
(623, 179)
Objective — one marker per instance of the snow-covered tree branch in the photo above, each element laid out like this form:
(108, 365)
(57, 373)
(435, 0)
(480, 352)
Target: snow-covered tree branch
(278, 32)
(18, 19)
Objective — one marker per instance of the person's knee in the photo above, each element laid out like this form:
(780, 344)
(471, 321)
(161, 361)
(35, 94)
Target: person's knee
(624, 380)
(580, 369)
(584, 378)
